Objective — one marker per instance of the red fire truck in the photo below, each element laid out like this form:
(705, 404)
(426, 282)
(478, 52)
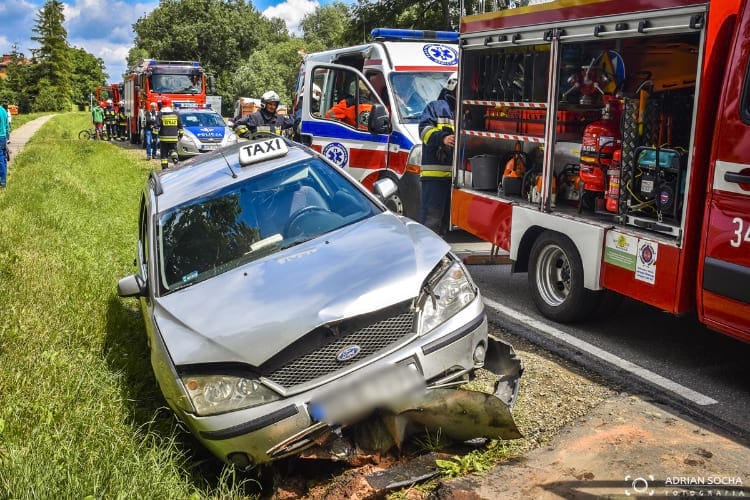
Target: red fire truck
(184, 82)
(112, 91)
(605, 145)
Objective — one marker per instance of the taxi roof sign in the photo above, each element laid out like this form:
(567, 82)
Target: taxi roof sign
(262, 150)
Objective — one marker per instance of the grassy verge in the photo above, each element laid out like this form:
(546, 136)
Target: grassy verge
(80, 413)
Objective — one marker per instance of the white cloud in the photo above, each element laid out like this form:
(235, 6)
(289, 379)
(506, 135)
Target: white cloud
(292, 12)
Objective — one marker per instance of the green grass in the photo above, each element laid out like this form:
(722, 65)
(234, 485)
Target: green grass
(80, 412)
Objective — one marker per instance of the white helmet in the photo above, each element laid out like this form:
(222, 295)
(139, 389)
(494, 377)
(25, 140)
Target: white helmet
(450, 85)
(316, 92)
(269, 96)
(109, 101)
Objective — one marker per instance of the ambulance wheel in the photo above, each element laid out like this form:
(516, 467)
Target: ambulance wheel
(556, 279)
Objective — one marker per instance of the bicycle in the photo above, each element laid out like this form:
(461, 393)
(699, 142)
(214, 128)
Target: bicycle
(90, 133)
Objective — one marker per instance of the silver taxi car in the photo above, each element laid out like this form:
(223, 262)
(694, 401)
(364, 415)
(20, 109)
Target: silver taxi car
(282, 299)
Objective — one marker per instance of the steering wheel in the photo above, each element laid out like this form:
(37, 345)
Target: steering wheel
(294, 219)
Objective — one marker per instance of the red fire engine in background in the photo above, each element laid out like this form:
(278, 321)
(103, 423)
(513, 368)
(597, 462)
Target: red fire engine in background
(112, 91)
(632, 119)
(184, 82)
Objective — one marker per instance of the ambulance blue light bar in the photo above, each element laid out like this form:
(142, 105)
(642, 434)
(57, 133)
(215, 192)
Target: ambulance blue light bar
(395, 34)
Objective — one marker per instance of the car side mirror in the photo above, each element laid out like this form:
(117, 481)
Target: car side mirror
(132, 286)
(384, 188)
(379, 121)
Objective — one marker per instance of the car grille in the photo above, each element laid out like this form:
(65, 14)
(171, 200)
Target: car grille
(322, 361)
(210, 140)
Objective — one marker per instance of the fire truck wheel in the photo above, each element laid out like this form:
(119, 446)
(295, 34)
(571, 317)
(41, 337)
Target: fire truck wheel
(556, 279)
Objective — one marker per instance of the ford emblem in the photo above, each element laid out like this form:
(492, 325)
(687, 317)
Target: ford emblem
(348, 353)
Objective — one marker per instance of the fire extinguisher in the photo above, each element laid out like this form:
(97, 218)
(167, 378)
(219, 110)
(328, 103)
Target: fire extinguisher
(599, 142)
(612, 196)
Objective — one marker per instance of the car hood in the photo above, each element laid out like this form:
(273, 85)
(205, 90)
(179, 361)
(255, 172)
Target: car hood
(208, 132)
(249, 314)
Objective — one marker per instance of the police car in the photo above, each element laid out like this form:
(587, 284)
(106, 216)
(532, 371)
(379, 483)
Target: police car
(204, 130)
(283, 301)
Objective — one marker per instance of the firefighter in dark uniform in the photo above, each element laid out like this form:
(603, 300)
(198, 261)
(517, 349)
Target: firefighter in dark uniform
(110, 120)
(265, 119)
(122, 122)
(437, 131)
(170, 131)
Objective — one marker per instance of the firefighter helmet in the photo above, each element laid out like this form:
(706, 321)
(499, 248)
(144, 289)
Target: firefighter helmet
(166, 101)
(269, 96)
(103, 104)
(450, 84)
(109, 102)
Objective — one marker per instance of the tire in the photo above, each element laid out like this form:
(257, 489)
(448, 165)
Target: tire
(84, 135)
(556, 279)
(395, 204)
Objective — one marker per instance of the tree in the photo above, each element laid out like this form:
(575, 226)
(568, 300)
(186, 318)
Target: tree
(88, 73)
(217, 33)
(324, 28)
(271, 68)
(53, 66)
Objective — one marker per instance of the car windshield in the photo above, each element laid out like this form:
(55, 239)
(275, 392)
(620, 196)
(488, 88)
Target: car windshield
(176, 84)
(195, 119)
(267, 213)
(413, 91)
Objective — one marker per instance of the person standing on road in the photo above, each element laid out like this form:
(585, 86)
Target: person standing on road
(151, 131)
(266, 119)
(170, 131)
(97, 117)
(437, 131)
(4, 131)
(122, 122)
(110, 119)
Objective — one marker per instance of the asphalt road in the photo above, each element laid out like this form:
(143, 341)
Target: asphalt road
(673, 359)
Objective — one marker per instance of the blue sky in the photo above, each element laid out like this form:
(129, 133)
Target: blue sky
(104, 27)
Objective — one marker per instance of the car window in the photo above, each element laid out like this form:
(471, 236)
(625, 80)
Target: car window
(258, 217)
(202, 120)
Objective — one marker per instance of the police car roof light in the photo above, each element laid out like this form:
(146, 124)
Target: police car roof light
(395, 34)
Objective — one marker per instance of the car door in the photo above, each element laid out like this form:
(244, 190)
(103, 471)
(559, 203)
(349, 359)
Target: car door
(336, 125)
(724, 290)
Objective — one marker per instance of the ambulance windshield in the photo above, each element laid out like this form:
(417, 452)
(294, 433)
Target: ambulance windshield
(413, 91)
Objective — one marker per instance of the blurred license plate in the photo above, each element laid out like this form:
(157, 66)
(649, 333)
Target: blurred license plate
(210, 147)
(351, 399)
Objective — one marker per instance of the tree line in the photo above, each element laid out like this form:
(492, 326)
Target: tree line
(246, 52)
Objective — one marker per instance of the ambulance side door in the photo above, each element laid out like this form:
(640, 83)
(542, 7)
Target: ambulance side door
(338, 125)
(724, 293)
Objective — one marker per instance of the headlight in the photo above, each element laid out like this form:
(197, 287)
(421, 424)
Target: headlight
(445, 294)
(415, 155)
(212, 394)
(229, 137)
(189, 137)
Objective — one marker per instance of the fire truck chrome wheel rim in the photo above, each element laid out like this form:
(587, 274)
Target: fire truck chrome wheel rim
(553, 275)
